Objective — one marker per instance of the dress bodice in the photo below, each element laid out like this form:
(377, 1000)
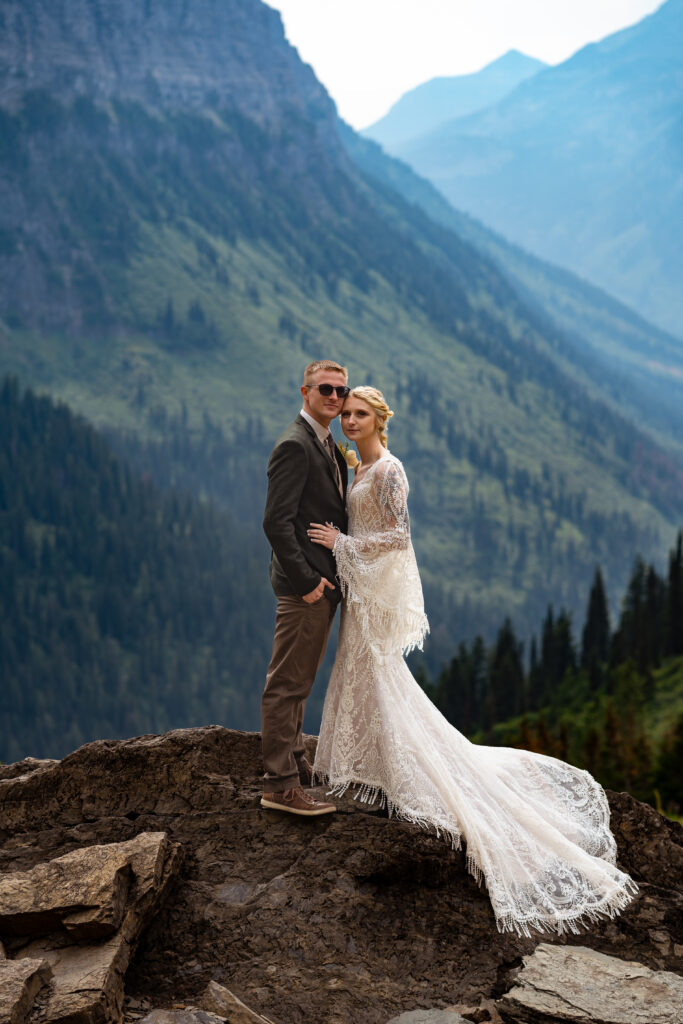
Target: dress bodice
(376, 565)
(377, 506)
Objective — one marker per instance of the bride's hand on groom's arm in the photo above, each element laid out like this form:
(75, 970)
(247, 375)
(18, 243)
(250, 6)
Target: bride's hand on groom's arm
(324, 534)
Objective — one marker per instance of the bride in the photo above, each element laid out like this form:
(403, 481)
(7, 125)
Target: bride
(536, 829)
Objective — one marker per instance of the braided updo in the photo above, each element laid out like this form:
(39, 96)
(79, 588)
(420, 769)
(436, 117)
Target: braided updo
(375, 399)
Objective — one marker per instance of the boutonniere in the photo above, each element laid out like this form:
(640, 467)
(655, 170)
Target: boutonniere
(350, 457)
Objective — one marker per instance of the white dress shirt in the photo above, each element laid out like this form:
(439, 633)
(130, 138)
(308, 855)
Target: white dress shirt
(320, 430)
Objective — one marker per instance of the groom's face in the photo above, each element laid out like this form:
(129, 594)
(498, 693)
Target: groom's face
(323, 408)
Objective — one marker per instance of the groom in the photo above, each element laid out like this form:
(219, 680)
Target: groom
(307, 480)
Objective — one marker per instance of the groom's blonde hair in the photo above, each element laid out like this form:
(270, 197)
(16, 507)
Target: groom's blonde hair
(323, 364)
(377, 402)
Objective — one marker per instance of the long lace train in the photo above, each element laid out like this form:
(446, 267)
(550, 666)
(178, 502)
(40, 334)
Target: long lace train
(536, 829)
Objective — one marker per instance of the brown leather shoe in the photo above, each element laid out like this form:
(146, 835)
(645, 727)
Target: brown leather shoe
(295, 801)
(305, 771)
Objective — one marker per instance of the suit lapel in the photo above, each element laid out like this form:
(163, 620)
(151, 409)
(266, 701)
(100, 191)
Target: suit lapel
(320, 447)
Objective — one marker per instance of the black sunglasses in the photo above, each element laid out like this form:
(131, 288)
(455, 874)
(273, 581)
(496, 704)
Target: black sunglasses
(327, 389)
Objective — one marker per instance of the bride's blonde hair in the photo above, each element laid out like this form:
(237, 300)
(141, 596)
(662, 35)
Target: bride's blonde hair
(376, 400)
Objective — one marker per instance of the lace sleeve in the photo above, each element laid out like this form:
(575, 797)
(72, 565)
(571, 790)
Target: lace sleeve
(376, 565)
(389, 525)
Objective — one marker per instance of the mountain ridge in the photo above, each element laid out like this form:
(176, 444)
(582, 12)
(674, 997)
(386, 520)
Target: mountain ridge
(440, 99)
(580, 164)
(157, 52)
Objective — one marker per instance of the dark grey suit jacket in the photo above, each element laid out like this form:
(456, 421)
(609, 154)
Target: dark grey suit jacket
(302, 489)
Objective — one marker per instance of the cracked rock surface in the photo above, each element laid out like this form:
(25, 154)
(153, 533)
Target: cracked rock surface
(79, 916)
(348, 919)
(581, 985)
(20, 983)
(83, 892)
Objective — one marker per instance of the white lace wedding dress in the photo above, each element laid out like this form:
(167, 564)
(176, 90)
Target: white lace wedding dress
(536, 829)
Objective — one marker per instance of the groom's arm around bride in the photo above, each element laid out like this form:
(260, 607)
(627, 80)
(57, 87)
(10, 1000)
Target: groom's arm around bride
(306, 483)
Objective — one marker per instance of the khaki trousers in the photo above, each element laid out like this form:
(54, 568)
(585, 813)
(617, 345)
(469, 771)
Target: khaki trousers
(301, 633)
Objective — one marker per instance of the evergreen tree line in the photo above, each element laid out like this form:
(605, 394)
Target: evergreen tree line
(123, 609)
(586, 702)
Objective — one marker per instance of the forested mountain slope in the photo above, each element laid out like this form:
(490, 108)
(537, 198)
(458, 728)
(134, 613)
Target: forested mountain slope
(183, 229)
(123, 610)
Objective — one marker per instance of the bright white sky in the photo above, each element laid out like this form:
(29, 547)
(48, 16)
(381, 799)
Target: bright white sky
(367, 53)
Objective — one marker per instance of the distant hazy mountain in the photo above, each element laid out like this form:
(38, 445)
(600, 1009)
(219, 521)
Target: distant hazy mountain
(583, 164)
(442, 99)
(615, 351)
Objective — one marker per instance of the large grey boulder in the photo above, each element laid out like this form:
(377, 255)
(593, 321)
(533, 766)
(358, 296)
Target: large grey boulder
(83, 892)
(582, 986)
(87, 982)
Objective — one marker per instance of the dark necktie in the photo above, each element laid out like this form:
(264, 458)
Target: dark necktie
(329, 444)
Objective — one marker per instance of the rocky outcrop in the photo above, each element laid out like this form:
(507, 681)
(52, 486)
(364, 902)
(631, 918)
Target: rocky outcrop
(98, 101)
(579, 985)
(72, 923)
(351, 919)
(219, 52)
(83, 892)
(20, 982)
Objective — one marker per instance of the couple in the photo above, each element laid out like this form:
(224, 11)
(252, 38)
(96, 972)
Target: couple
(536, 829)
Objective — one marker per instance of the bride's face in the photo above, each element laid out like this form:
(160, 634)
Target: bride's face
(358, 419)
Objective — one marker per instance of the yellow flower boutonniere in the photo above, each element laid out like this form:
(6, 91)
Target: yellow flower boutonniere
(350, 456)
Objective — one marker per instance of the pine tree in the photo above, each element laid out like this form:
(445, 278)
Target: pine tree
(535, 678)
(596, 632)
(625, 642)
(669, 777)
(674, 600)
(558, 656)
(452, 696)
(565, 653)
(652, 635)
(546, 668)
(506, 674)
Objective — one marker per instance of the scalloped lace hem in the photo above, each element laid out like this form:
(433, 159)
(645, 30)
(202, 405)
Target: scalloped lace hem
(576, 920)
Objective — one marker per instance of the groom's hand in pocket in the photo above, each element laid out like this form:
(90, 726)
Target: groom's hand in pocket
(316, 594)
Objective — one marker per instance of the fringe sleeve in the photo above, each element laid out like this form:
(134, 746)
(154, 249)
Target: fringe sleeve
(376, 566)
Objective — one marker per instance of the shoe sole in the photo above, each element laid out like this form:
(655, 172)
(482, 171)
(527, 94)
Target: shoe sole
(293, 810)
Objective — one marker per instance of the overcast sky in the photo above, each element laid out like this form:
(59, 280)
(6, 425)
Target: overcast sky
(367, 53)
